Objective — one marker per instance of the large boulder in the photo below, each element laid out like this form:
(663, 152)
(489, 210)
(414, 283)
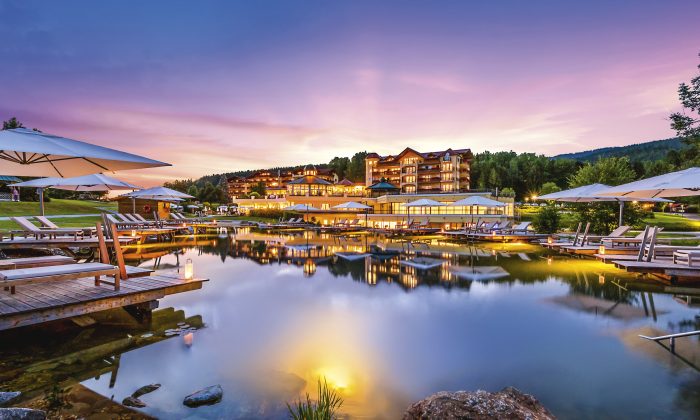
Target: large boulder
(206, 396)
(509, 403)
(21, 414)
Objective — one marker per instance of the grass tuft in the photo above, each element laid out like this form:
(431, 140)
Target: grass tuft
(323, 409)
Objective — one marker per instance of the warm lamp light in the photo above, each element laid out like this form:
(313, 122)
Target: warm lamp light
(133, 233)
(189, 269)
(309, 267)
(550, 240)
(601, 250)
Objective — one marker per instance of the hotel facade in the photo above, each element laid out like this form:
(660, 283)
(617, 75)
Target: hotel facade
(413, 172)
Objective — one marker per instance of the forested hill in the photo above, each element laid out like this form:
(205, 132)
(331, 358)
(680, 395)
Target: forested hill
(649, 151)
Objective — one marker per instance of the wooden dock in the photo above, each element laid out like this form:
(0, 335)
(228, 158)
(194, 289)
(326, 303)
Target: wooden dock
(65, 242)
(44, 302)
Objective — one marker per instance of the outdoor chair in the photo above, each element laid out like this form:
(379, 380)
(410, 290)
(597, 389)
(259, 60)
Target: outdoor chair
(30, 228)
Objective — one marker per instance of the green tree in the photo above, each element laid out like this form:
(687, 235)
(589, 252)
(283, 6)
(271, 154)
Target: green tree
(182, 185)
(192, 190)
(549, 188)
(11, 123)
(610, 171)
(260, 189)
(688, 126)
(547, 219)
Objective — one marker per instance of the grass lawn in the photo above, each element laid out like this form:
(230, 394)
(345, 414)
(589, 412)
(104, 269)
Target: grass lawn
(83, 221)
(673, 222)
(56, 206)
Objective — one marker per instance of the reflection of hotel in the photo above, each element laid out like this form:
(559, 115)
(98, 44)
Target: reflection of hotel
(421, 173)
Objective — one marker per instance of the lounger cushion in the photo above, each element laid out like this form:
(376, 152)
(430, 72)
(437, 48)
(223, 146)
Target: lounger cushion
(25, 273)
(48, 260)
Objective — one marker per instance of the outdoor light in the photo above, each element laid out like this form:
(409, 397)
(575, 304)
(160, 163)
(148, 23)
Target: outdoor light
(550, 240)
(601, 250)
(133, 232)
(189, 269)
(601, 278)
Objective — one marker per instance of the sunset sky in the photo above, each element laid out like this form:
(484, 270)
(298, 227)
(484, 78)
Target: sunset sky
(220, 86)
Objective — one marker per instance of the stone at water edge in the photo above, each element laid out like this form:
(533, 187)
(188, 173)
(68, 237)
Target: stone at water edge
(146, 389)
(6, 397)
(206, 396)
(509, 403)
(132, 401)
(21, 414)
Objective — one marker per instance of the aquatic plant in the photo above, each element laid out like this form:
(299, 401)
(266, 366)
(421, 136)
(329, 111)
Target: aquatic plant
(323, 409)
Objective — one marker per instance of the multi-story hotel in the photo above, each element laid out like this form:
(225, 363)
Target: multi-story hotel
(421, 173)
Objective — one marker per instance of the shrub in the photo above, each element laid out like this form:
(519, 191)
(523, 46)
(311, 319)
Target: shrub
(270, 213)
(547, 219)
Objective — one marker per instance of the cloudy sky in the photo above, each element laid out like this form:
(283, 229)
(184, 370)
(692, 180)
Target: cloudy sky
(219, 86)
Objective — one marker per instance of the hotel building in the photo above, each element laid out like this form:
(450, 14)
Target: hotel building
(421, 173)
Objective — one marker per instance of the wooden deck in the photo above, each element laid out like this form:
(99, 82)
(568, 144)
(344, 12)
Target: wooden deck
(665, 268)
(67, 242)
(44, 302)
(500, 237)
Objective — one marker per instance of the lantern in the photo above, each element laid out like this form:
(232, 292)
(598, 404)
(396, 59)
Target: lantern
(133, 233)
(550, 240)
(601, 250)
(189, 269)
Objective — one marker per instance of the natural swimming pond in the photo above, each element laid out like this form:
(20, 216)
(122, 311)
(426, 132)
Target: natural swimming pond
(386, 322)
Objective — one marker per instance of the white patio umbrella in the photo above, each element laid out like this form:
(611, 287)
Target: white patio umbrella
(425, 202)
(594, 193)
(156, 193)
(674, 184)
(93, 182)
(476, 200)
(26, 152)
(301, 207)
(354, 205)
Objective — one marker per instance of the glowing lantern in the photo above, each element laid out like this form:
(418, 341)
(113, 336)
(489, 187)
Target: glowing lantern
(601, 250)
(550, 240)
(189, 269)
(133, 233)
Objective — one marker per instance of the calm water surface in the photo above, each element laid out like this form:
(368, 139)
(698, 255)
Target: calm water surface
(386, 328)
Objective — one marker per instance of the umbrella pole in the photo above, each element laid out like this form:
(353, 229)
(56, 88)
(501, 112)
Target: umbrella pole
(622, 208)
(41, 201)
(133, 205)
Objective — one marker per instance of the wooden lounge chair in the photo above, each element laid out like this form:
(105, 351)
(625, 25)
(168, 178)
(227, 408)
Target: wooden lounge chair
(29, 262)
(48, 224)
(687, 257)
(23, 276)
(30, 228)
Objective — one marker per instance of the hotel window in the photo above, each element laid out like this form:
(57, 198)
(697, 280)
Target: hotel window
(446, 167)
(447, 187)
(446, 176)
(410, 188)
(410, 179)
(325, 206)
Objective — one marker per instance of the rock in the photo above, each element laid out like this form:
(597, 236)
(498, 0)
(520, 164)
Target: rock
(206, 396)
(6, 397)
(509, 403)
(21, 414)
(132, 401)
(146, 389)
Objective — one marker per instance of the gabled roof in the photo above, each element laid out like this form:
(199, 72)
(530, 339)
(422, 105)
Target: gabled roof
(346, 182)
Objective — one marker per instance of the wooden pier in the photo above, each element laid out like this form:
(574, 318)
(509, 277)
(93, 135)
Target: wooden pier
(44, 302)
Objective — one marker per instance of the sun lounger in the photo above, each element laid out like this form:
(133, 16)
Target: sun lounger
(46, 223)
(30, 228)
(24, 276)
(29, 262)
(687, 257)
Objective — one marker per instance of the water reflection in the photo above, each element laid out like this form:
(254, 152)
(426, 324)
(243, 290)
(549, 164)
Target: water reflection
(388, 322)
